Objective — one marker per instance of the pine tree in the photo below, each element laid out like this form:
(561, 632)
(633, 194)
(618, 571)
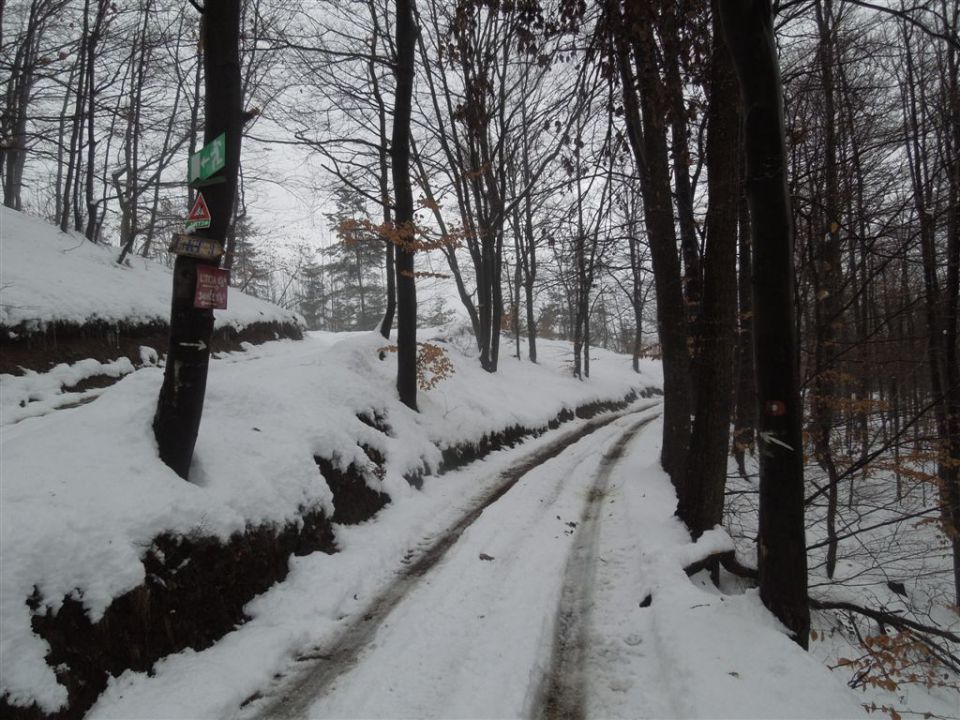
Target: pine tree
(247, 268)
(313, 295)
(354, 267)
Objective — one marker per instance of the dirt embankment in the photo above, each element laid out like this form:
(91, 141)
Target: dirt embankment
(23, 347)
(196, 587)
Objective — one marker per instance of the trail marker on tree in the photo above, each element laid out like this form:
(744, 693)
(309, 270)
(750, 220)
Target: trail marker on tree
(210, 160)
(211, 291)
(176, 422)
(196, 247)
(199, 216)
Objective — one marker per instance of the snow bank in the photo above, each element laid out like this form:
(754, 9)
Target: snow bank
(672, 646)
(48, 276)
(83, 493)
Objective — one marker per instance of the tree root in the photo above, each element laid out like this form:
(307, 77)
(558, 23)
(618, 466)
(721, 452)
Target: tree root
(729, 562)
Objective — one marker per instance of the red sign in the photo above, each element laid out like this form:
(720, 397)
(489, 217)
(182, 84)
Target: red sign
(211, 292)
(776, 408)
(199, 216)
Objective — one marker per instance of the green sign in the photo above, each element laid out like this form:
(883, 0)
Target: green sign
(209, 160)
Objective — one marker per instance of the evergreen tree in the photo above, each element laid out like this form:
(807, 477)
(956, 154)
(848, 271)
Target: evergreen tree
(248, 271)
(354, 267)
(313, 295)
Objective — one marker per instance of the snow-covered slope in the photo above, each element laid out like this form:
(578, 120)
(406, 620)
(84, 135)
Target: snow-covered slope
(83, 492)
(83, 495)
(47, 276)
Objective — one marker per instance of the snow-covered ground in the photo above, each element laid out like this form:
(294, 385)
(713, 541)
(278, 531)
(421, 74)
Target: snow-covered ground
(83, 492)
(82, 495)
(48, 276)
(473, 639)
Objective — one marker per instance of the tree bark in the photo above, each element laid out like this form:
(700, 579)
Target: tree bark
(406, 34)
(748, 31)
(386, 324)
(827, 269)
(177, 419)
(745, 421)
(701, 507)
(647, 135)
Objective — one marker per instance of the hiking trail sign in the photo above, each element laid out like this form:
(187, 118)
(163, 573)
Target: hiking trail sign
(211, 291)
(210, 160)
(199, 216)
(196, 247)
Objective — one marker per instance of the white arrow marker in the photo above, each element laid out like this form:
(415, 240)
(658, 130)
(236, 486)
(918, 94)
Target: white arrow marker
(198, 345)
(766, 437)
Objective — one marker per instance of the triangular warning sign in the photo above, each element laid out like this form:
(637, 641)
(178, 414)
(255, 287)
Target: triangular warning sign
(199, 216)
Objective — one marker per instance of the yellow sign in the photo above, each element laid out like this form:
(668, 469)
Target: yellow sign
(193, 246)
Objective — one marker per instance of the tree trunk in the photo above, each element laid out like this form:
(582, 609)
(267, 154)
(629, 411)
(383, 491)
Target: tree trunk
(636, 298)
(529, 247)
(701, 506)
(679, 146)
(940, 306)
(76, 123)
(177, 420)
(648, 141)
(13, 118)
(827, 268)
(406, 34)
(745, 420)
(90, 227)
(386, 324)
(748, 31)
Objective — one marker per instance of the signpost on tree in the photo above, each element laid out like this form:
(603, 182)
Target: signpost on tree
(210, 160)
(199, 216)
(198, 283)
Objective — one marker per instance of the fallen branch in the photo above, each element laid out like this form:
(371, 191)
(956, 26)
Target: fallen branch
(885, 618)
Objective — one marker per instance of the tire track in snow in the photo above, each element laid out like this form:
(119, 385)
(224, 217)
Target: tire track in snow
(317, 669)
(562, 695)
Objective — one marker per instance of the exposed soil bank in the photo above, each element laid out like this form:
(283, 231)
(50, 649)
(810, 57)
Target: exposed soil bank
(25, 347)
(356, 493)
(194, 594)
(196, 587)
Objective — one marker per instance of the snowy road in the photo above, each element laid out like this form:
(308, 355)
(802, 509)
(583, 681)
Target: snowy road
(564, 688)
(545, 581)
(490, 617)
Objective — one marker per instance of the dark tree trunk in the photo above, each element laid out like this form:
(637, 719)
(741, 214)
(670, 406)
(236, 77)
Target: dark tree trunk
(701, 507)
(827, 283)
(648, 141)
(76, 125)
(517, 279)
(679, 147)
(941, 301)
(180, 406)
(13, 117)
(950, 470)
(529, 247)
(90, 227)
(636, 298)
(748, 31)
(497, 295)
(529, 278)
(403, 198)
(386, 324)
(195, 120)
(745, 422)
